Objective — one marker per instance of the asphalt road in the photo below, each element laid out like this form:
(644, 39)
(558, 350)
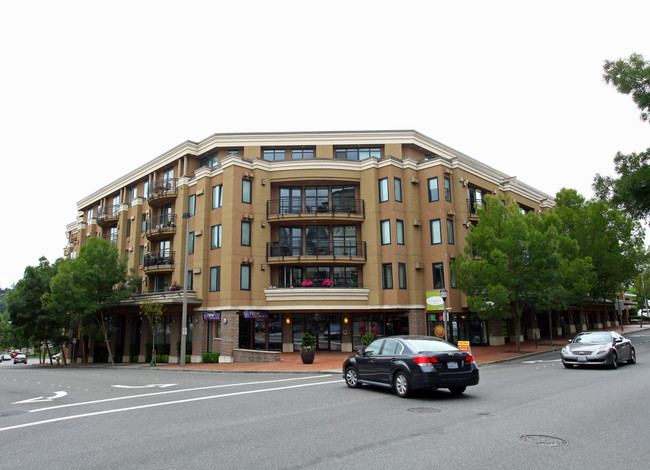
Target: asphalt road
(526, 414)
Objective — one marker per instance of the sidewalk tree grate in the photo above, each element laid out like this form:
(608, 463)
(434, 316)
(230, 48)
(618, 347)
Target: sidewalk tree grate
(423, 409)
(541, 440)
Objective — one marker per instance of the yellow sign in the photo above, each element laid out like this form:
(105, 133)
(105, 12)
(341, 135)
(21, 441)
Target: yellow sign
(463, 346)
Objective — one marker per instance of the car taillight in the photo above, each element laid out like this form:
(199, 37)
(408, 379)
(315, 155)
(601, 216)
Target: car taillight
(469, 358)
(425, 361)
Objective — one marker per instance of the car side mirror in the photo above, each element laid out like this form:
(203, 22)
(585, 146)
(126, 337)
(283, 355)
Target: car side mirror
(362, 352)
(570, 341)
(618, 340)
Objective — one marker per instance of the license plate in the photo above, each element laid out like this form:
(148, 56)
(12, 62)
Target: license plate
(452, 365)
(582, 359)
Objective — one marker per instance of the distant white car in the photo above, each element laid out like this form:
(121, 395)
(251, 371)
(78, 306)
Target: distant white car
(6, 357)
(20, 358)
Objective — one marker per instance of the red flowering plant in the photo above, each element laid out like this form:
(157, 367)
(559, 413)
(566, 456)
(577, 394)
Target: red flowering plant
(307, 283)
(327, 282)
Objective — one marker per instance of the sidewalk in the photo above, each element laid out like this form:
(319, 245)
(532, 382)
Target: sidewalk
(332, 361)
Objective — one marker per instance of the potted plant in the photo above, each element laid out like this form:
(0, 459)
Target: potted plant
(327, 282)
(367, 338)
(307, 348)
(174, 286)
(307, 283)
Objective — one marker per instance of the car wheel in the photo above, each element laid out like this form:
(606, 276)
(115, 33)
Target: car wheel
(614, 363)
(632, 359)
(455, 391)
(401, 385)
(568, 366)
(351, 377)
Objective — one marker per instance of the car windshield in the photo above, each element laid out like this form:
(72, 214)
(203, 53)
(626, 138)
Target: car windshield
(424, 345)
(593, 338)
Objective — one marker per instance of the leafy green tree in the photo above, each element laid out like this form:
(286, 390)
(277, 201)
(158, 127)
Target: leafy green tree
(93, 283)
(32, 322)
(512, 262)
(152, 312)
(631, 189)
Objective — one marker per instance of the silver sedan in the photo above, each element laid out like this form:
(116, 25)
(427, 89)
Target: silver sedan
(598, 348)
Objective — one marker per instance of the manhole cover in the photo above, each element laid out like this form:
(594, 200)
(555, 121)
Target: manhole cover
(541, 440)
(424, 410)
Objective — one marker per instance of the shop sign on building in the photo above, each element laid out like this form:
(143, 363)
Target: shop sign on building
(255, 314)
(434, 300)
(212, 316)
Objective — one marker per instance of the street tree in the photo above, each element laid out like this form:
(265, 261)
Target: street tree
(631, 189)
(95, 282)
(152, 312)
(501, 268)
(29, 319)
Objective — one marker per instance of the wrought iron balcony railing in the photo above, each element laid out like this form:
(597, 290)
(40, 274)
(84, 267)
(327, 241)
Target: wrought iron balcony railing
(158, 259)
(324, 249)
(338, 207)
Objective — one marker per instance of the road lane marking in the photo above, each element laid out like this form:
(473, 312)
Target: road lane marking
(38, 399)
(167, 403)
(536, 362)
(209, 387)
(144, 386)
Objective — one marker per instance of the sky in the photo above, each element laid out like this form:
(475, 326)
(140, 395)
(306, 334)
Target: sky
(92, 90)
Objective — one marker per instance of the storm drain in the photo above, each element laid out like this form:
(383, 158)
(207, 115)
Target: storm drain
(545, 441)
(423, 409)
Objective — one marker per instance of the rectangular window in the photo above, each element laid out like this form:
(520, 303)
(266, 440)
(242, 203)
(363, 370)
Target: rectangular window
(91, 214)
(385, 232)
(360, 153)
(399, 232)
(453, 276)
(215, 278)
(217, 196)
(450, 231)
(143, 223)
(128, 227)
(302, 153)
(432, 185)
(383, 190)
(401, 275)
(387, 275)
(141, 255)
(145, 189)
(447, 183)
(245, 277)
(190, 280)
(246, 186)
(436, 232)
(190, 250)
(438, 275)
(192, 205)
(397, 187)
(274, 154)
(215, 237)
(245, 233)
(133, 193)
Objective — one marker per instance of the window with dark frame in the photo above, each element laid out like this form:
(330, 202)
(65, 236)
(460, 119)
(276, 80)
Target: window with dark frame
(399, 232)
(298, 154)
(432, 185)
(401, 275)
(358, 153)
(215, 278)
(245, 277)
(274, 154)
(436, 232)
(191, 244)
(387, 275)
(383, 190)
(215, 237)
(438, 275)
(397, 188)
(217, 196)
(191, 205)
(385, 232)
(447, 184)
(245, 233)
(246, 186)
(450, 231)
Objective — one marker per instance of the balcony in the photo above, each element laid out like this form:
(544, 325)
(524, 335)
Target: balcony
(158, 262)
(311, 207)
(162, 192)
(107, 215)
(326, 251)
(160, 226)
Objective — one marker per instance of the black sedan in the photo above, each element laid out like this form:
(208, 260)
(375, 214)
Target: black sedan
(598, 348)
(407, 363)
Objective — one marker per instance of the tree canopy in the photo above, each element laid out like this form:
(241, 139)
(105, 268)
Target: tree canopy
(631, 189)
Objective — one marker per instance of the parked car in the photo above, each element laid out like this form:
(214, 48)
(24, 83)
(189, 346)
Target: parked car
(408, 363)
(591, 348)
(20, 358)
(6, 357)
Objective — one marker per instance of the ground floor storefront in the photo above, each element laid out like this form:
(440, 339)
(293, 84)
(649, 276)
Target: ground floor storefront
(212, 330)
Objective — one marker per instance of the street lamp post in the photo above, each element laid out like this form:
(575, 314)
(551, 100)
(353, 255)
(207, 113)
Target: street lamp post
(443, 295)
(186, 216)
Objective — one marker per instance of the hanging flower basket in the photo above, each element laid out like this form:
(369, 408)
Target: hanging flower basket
(307, 283)
(327, 282)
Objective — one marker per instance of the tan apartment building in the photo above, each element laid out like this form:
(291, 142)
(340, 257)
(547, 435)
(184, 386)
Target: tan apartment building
(335, 233)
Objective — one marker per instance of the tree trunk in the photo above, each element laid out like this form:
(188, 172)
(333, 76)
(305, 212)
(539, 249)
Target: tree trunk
(518, 330)
(102, 325)
(550, 327)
